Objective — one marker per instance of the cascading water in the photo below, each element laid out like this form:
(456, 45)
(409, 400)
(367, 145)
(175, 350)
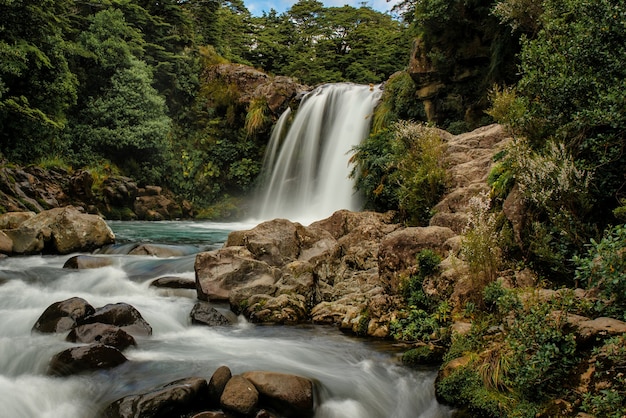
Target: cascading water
(306, 172)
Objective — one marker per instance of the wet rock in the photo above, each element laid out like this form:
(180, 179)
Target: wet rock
(122, 315)
(203, 313)
(63, 316)
(239, 396)
(218, 382)
(290, 395)
(87, 262)
(87, 358)
(176, 399)
(171, 282)
(103, 334)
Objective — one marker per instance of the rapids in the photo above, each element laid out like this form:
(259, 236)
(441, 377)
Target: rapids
(358, 378)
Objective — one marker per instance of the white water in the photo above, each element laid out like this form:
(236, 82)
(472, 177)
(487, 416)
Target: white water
(356, 379)
(306, 172)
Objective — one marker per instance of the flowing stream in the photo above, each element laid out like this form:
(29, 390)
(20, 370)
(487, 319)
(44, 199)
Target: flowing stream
(305, 174)
(358, 378)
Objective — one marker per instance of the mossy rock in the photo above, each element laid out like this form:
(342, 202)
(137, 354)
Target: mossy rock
(425, 355)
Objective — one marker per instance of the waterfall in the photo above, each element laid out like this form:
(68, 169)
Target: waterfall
(305, 175)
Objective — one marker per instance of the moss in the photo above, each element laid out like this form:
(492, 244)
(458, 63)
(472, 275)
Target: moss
(423, 355)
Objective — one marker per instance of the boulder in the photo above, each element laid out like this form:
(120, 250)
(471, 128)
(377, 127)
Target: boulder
(12, 220)
(278, 92)
(63, 316)
(218, 382)
(290, 395)
(106, 334)
(592, 330)
(274, 242)
(343, 222)
(203, 313)
(86, 358)
(62, 231)
(176, 399)
(397, 256)
(122, 315)
(239, 396)
(80, 262)
(218, 272)
(156, 208)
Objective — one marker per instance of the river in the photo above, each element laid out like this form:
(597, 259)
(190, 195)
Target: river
(358, 378)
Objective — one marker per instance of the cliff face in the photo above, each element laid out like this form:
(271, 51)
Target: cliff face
(456, 60)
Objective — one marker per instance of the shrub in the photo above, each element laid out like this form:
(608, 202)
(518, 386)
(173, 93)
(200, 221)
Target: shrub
(257, 118)
(480, 244)
(420, 175)
(542, 350)
(609, 401)
(402, 168)
(425, 317)
(604, 267)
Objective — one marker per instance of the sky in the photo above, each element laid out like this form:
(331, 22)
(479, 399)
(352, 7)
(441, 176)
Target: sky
(257, 7)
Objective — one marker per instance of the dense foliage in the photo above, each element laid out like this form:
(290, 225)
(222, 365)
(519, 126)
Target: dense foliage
(569, 117)
(402, 168)
(122, 83)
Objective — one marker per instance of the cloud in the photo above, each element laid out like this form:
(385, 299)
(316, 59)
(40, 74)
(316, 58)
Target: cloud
(257, 7)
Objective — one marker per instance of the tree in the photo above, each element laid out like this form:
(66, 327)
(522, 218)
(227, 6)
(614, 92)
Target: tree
(128, 124)
(317, 44)
(36, 84)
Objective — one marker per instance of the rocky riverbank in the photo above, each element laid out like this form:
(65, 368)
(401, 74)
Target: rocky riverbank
(35, 189)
